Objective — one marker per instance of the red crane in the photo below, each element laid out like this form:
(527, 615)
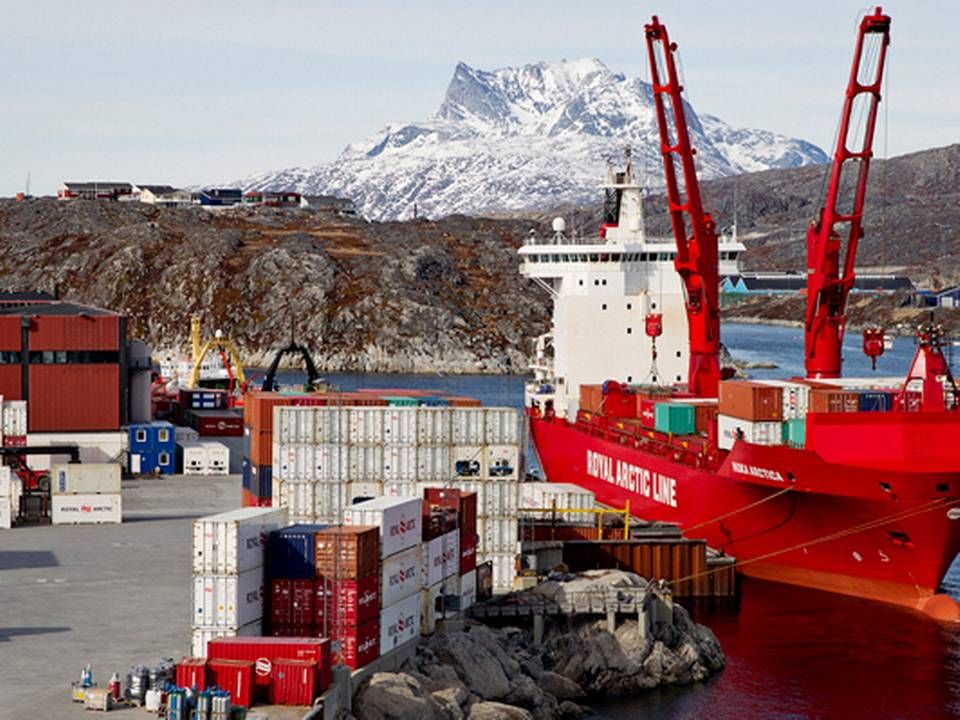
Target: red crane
(827, 284)
(696, 260)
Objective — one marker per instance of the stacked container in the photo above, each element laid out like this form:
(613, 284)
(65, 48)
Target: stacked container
(85, 494)
(203, 457)
(152, 448)
(267, 652)
(14, 422)
(556, 497)
(464, 577)
(749, 411)
(228, 573)
(9, 498)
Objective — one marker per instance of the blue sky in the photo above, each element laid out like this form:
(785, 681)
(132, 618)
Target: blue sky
(194, 92)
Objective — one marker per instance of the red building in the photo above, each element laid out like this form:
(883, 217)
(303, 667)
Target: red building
(68, 361)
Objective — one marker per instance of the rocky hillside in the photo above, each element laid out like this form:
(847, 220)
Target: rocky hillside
(416, 296)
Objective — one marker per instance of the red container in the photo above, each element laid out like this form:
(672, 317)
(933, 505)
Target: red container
(350, 601)
(291, 602)
(294, 682)
(834, 401)
(468, 553)
(234, 676)
(749, 400)
(261, 445)
(263, 651)
(192, 673)
(647, 413)
(215, 423)
(464, 502)
(291, 630)
(348, 552)
(458, 401)
(360, 645)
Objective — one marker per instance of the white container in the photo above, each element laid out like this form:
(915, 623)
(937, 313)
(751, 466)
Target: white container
(228, 600)
(434, 425)
(469, 462)
(400, 426)
(16, 490)
(331, 463)
(294, 425)
(545, 495)
(232, 542)
(468, 426)
(503, 462)
(400, 463)
(401, 489)
(431, 607)
(401, 575)
(502, 426)
(331, 425)
(796, 397)
(400, 623)
(191, 457)
(504, 571)
(398, 518)
(299, 498)
(468, 590)
(366, 462)
(295, 463)
(330, 499)
(85, 509)
(14, 418)
(6, 514)
(360, 491)
(6, 483)
(77, 478)
(366, 425)
(433, 463)
(187, 434)
(497, 498)
(442, 559)
(203, 635)
(217, 458)
(102, 447)
(497, 535)
(758, 433)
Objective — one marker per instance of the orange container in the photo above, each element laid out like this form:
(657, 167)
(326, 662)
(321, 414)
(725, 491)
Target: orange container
(348, 552)
(751, 400)
(834, 401)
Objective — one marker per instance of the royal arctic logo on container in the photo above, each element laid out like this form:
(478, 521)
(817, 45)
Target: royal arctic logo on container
(262, 666)
(367, 645)
(368, 598)
(403, 575)
(403, 526)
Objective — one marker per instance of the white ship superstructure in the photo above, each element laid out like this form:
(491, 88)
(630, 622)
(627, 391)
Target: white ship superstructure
(603, 289)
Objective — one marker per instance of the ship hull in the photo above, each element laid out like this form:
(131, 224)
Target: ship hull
(784, 514)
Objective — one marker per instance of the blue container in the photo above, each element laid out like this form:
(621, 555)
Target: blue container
(247, 476)
(875, 401)
(434, 401)
(261, 480)
(291, 551)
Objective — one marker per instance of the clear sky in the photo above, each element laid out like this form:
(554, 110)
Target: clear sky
(192, 92)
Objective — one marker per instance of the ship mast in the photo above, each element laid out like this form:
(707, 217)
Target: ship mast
(697, 256)
(827, 285)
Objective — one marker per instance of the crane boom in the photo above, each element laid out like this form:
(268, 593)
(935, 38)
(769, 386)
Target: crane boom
(697, 260)
(828, 285)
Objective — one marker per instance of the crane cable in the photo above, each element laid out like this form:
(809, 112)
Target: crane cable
(853, 530)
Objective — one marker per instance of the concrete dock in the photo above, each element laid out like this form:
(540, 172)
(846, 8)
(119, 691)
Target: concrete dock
(108, 595)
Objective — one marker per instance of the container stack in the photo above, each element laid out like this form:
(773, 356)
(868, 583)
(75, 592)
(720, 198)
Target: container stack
(13, 416)
(203, 457)
(464, 584)
(228, 573)
(9, 502)
(152, 448)
(85, 494)
(561, 499)
(749, 410)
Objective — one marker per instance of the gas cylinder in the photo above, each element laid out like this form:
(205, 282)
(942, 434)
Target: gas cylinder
(114, 686)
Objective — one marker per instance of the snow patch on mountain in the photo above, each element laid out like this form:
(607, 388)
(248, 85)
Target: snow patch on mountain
(524, 138)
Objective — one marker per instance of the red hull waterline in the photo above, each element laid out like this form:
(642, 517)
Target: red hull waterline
(884, 532)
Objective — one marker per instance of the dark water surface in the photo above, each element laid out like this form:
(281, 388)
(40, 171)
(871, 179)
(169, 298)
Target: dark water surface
(791, 653)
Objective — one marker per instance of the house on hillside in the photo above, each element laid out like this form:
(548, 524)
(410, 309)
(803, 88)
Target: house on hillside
(164, 195)
(949, 297)
(95, 190)
(270, 198)
(343, 207)
(220, 197)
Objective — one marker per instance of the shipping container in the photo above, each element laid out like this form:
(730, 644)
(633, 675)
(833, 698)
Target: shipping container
(401, 575)
(94, 447)
(203, 399)
(502, 426)
(591, 398)
(794, 432)
(330, 500)
(186, 434)
(795, 397)
(469, 461)
(431, 608)
(345, 602)
(261, 445)
(331, 426)
(215, 423)
(750, 400)
(14, 418)
(360, 645)
(261, 480)
(191, 458)
(400, 463)
(264, 651)
(876, 400)
(217, 458)
(674, 418)
(434, 426)
(400, 624)
(647, 413)
(294, 682)
(202, 636)
(468, 426)
(824, 400)
(228, 600)
(348, 552)
(468, 590)
(468, 552)
(365, 462)
(358, 492)
(77, 478)
(192, 673)
(503, 461)
(6, 513)
(365, 425)
(299, 499)
(401, 489)
(504, 567)
(292, 602)
(441, 558)
(464, 501)
(397, 401)
(731, 429)
(433, 463)
(399, 521)
(497, 535)
(235, 677)
(556, 497)
(499, 499)
(400, 426)
(462, 402)
(85, 509)
(233, 542)
(291, 551)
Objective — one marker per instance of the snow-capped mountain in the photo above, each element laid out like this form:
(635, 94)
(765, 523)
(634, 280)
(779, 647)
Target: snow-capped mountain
(521, 138)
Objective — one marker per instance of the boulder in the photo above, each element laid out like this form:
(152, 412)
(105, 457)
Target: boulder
(497, 711)
(395, 696)
(560, 687)
(478, 668)
(524, 692)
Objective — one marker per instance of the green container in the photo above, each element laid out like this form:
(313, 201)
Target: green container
(795, 432)
(399, 401)
(674, 418)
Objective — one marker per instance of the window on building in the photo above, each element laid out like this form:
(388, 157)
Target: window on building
(163, 459)
(141, 436)
(163, 435)
(629, 331)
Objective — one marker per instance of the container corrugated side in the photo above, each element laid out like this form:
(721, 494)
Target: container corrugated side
(400, 426)
(497, 535)
(348, 552)
(468, 590)
(291, 551)
(74, 478)
(504, 570)
(330, 500)
(360, 645)
(365, 462)
(264, 651)
(468, 426)
(441, 558)
(294, 682)
(498, 498)
(545, 495)
(502, 426)
(233, 542)
(434, 426)
(217, 458)
(434, 462)
(400, 623)
(401, 575)
(729, 429)
(228, 600)
(400, 463)
(366, 425)
(749, 400)
(399, 521)
(201, 636)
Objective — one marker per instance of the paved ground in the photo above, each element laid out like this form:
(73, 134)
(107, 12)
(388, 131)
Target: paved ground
(108, 595)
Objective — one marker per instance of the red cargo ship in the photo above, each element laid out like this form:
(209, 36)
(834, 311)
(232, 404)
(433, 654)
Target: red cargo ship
(862, 497)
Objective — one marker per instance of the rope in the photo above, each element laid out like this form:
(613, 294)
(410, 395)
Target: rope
(870, 525)
(740, 510)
